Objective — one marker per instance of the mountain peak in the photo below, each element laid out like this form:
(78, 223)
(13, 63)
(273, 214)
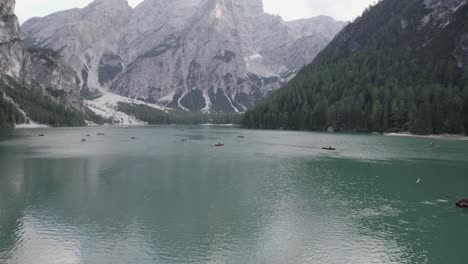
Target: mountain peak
(109, 2)
(242, 7)
(109, 5)
(198, 55)
(7, 7)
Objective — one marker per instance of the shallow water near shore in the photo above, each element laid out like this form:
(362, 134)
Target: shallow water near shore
(270, 197)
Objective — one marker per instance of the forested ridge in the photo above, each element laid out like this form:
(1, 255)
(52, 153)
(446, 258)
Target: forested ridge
(37, 106)
(390, 70)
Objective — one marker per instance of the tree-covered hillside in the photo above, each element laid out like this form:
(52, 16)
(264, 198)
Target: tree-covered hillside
(37, 106)
(402, 66)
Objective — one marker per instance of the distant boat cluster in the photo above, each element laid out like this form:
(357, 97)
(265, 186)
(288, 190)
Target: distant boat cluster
(219, 144)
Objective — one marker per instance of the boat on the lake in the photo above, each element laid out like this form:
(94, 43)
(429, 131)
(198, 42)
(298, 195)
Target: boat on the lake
(240, 137)
(41, 135)
(133, 137)
(83, 140)
(219, 145)
(100, 134)
(328, 148)
(184, 140)
(463, 203)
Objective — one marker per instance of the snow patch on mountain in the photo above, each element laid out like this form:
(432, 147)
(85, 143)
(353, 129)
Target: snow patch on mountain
(30, 125)
(107, 105)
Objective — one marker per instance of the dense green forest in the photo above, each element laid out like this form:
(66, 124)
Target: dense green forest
(158, 117)
(9, 114)
(384, 72)
(37, 106)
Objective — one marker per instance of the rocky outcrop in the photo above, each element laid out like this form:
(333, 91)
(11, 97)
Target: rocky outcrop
(82, 37)
(12, 53)
(442, 14)
(197, 55)
(35, 69)
(441, 11)
(52, 74)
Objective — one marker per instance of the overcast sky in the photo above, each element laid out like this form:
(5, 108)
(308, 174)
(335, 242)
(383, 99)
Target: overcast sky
(289, 9)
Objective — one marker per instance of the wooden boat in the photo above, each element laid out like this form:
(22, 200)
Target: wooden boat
(463, 203)
(219, 145)
(41, 135)
(133, 137)
(100, 134)
(240, 137)
(83, 140)
(184, 140)
(328, 148)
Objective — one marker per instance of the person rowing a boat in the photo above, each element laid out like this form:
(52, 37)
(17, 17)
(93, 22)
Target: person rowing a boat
(328, 148)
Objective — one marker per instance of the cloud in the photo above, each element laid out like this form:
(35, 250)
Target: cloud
(345, 10)
(134, 2)
(26, 9)
(340, 9)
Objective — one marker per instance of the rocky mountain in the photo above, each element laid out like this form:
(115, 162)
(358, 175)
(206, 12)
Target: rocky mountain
(197, 55)
(35, 84)
(11, 49)
(85, 38)
(402, 66)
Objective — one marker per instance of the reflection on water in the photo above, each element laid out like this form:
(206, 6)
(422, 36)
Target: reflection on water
(273, 197)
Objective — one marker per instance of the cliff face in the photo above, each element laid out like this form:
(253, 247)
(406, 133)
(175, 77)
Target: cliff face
(84, 38)
(198, 55)
(47, 70)
(39, 70)
(12, 53)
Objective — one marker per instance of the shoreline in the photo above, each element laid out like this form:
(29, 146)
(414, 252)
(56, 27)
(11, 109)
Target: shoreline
(33, 125)
(459, 137)
(455, 137)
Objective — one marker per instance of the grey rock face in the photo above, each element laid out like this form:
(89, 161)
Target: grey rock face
(81, 36)
(9, 30)
(442, 11)
(37, 69)
(52, 74)
(440, 16)
(12, 53)
(443, 4)
(197, 55)
(109, 66)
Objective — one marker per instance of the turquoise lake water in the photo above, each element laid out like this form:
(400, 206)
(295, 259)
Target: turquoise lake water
(270, 197)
